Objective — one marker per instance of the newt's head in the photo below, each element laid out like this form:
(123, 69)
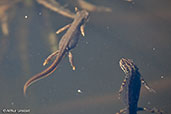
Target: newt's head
(127, 65)
(83, 15)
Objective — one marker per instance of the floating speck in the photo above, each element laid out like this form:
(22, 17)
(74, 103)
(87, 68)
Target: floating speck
(25, 16)
(148, 102)
(79, 91)
(133, 2)
(162, 77)
(107, 27)
(154, 49)
(12, 103)
(40, 13)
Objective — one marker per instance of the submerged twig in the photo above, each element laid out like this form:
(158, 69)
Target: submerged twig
(4, 24)
(55, 6)
(90, 7)
(4, 6)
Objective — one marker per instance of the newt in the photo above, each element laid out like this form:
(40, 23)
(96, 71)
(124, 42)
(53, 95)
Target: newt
(130, 88)
(68, 41)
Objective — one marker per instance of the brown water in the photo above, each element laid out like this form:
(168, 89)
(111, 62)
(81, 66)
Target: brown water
(139, 30)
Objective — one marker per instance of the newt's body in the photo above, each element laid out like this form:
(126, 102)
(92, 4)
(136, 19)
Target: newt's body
(130, 88)
(67, 42)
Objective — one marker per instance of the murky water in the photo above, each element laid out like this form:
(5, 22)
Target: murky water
(139, 30)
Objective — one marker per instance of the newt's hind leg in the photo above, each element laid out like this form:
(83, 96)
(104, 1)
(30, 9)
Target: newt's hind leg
(146, 85)
(50, 57)
(122, 111)
(71, 60)
(153, 110)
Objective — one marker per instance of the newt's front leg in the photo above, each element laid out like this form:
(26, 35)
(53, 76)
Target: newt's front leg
(63, 28)
(146, 85)
(71, 60)
(82, 30)
(122, 86)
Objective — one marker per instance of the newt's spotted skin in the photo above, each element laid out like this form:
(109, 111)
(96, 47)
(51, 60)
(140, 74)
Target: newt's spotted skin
(130, 88)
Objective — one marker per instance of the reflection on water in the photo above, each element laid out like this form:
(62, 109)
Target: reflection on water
(139, 30)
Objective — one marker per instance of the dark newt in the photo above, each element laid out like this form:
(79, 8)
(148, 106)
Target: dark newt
(131, 88)
(67, 42)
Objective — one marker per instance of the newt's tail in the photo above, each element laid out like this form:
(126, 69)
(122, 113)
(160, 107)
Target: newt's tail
(39, 76)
